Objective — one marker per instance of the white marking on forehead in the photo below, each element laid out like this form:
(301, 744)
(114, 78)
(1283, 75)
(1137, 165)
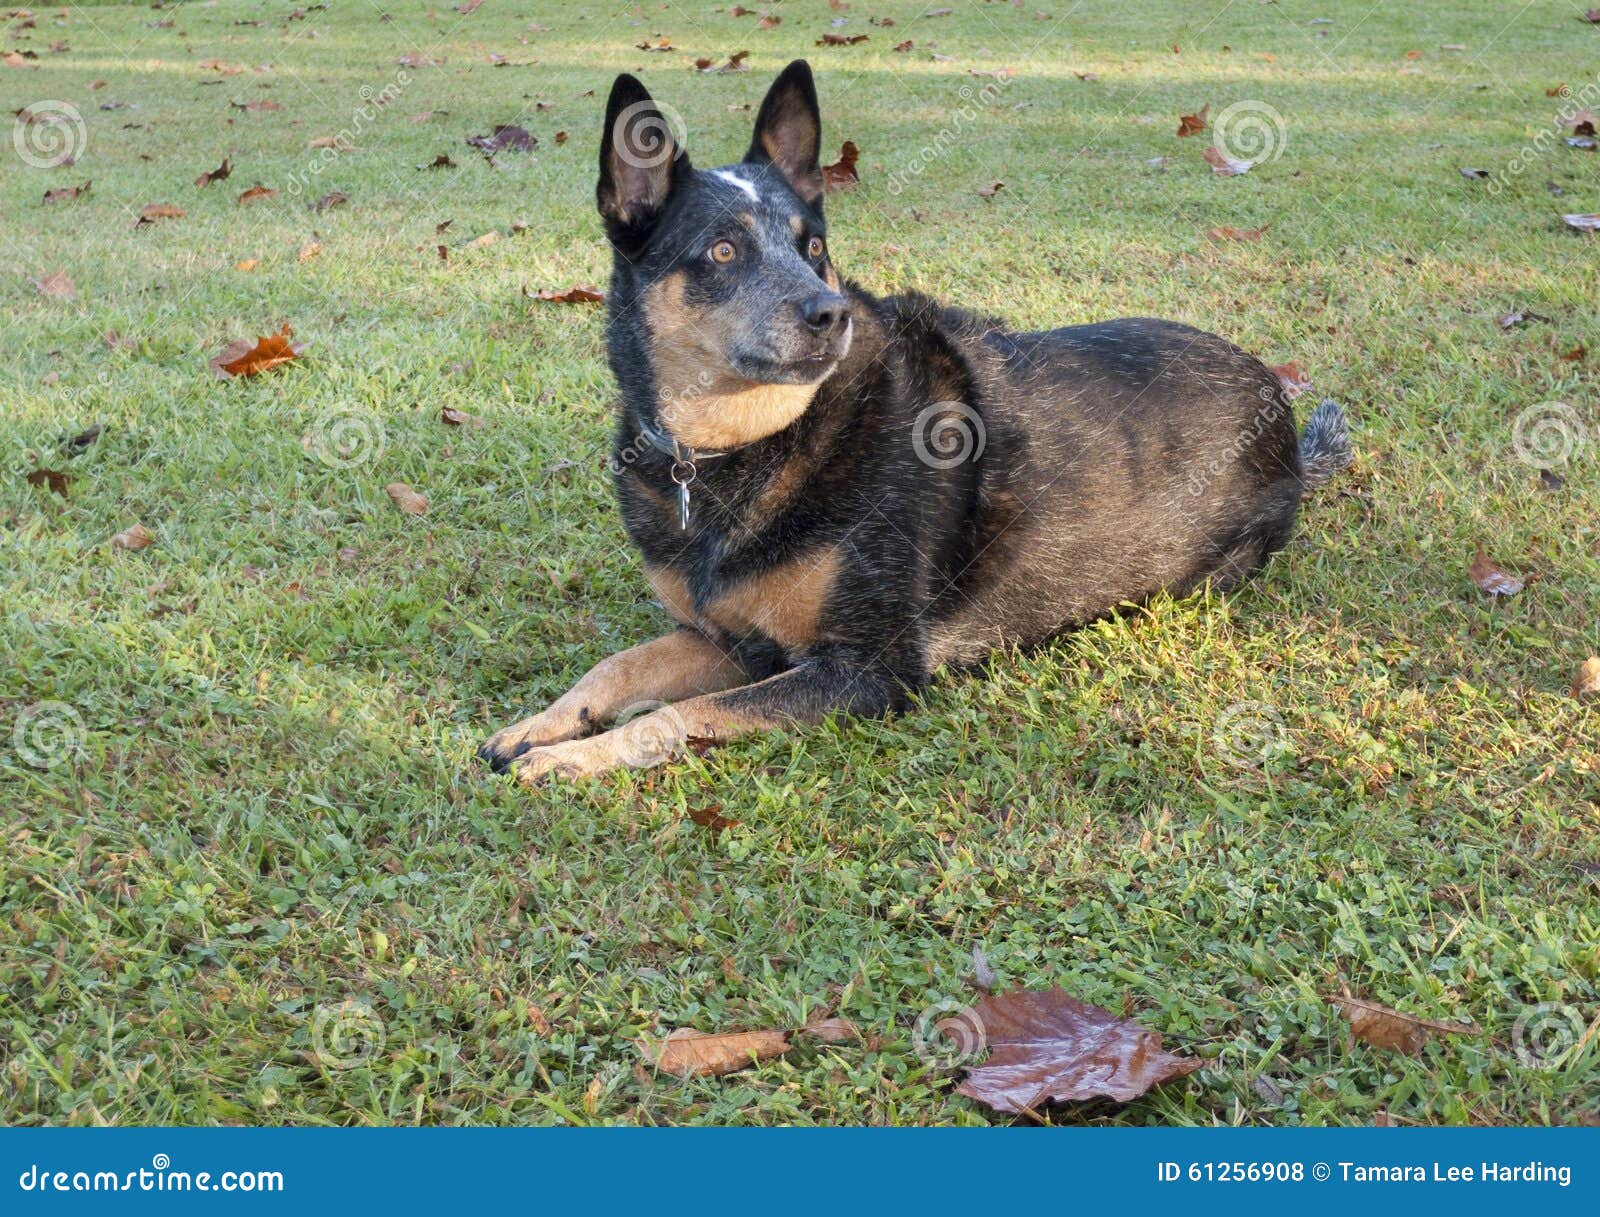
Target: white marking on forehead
(735, 180)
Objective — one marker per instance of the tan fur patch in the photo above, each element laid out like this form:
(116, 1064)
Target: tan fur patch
(784, 604)
(700, 402)
(831, 276)
(672, 591)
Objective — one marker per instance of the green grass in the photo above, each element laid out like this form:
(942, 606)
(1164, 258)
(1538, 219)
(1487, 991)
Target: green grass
(272, 808)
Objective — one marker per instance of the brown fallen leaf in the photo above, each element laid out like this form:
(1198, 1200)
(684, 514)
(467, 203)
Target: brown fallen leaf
(1587, 682)
(1226, 232)
(690, 1053)
(988, 192)
(1049, 1047)
(334, 198)
(661, 45)
(308, 251)
(151, 212)
(841, 39)
(258, 191)
(478, 242)
(264, 106)
(245, 358)
(506, 137)
(1193, 124)
(55, 479)
(451, 417)
(582, 294)
(561, 138)
(77, 443)
(902, 47)
(1291, 377)
(1577, 354)
(135, 536)
(1582, 222)
(412, 502)
(1223, 164)
(841, 175)
(57, 285)
(324, 141)
(1381, 1027)
(220, 173)
(711, 818)
(247, 264)
(1490, 578)
(833, 1031)
(769, 22)
(442, 161)
(65, 194)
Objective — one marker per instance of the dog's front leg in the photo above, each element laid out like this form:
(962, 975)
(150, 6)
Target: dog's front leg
(683, 664)
(805, 693)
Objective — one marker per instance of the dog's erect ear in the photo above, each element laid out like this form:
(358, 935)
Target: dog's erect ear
(789, 131)
(641, 158)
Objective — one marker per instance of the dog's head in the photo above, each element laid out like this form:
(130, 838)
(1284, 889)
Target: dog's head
(728, 269)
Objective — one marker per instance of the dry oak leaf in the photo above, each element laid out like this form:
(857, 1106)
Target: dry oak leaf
(1050, 1047)
(1587, 682)
(1226, 232)
(841, 175)
(690, 1053)
(1491, 579)
(135, 536)
(215, 175)
(412, 502)
(1381, 1027)
(245, 358)
(258, 191)
(1193, 124)
(1223, 164)
(582, 294)
(57, 285)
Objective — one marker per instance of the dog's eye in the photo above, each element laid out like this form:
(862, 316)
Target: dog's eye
(814, 247)
(723, 251)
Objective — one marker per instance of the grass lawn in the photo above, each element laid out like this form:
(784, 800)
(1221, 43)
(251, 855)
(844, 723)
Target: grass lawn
(252, 872)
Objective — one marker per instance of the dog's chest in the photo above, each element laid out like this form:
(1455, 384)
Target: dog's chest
(786, 602)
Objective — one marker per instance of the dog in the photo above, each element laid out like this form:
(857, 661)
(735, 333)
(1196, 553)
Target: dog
(837, 495)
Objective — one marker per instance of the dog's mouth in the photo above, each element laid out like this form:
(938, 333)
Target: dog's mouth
(797, 370)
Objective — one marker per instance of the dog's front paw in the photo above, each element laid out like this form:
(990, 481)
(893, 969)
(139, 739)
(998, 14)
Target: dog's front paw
(542, 730)
(566, 761)
(639, 743)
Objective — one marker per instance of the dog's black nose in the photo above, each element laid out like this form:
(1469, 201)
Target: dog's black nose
(826, 312)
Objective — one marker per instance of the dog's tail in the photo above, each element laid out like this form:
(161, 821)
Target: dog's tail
(1324, 445)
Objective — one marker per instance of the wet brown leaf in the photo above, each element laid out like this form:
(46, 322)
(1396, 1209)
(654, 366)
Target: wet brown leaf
(55, 479)
(1491, 579)
(412, 502)
(582, 294)
(690, 1053)
(1193, 124)
(245, 358)
(220, 173)
(1587, 682)
(256, 192)
(842, 175)
(1381, 1027)
(1049, 1047)
(135, 536)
